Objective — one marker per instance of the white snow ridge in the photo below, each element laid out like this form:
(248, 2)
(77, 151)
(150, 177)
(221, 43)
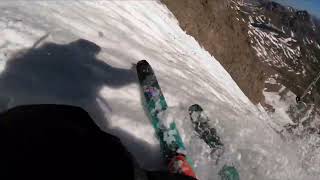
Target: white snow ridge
(120, 33)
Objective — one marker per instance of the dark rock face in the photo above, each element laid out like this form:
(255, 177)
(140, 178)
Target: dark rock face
(273, 6)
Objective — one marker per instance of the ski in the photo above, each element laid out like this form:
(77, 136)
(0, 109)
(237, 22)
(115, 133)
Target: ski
(209, 135)
(171, 144)
(200, 122)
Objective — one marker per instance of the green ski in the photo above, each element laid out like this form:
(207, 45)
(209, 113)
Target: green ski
(171, 144)
(208, 134)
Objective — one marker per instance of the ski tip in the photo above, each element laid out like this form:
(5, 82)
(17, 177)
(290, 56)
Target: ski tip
(143, 70)
(142, 62)
(229, 173)
(195, 107)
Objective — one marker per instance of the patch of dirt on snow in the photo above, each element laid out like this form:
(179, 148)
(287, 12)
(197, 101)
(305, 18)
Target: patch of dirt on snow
(216, 28)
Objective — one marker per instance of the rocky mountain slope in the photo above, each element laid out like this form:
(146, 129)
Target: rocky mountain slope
(285, 39)
(270, 50)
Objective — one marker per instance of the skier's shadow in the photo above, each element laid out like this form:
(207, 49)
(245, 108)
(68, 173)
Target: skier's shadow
(61, 74)
(69, 74)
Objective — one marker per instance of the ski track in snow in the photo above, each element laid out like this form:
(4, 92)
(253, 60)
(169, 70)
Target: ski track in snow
(107, 87)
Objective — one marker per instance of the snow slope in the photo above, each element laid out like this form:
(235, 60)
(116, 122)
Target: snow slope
(97, 73)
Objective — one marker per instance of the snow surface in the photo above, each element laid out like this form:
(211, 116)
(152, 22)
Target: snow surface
(120, 33)
(280, 104)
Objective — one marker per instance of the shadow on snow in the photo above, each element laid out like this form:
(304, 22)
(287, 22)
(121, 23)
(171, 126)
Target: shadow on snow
(69, 74)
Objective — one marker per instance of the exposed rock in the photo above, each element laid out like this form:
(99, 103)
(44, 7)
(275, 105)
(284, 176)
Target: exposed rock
(216, 28)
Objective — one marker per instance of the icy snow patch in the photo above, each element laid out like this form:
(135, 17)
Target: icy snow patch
(281, 103)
